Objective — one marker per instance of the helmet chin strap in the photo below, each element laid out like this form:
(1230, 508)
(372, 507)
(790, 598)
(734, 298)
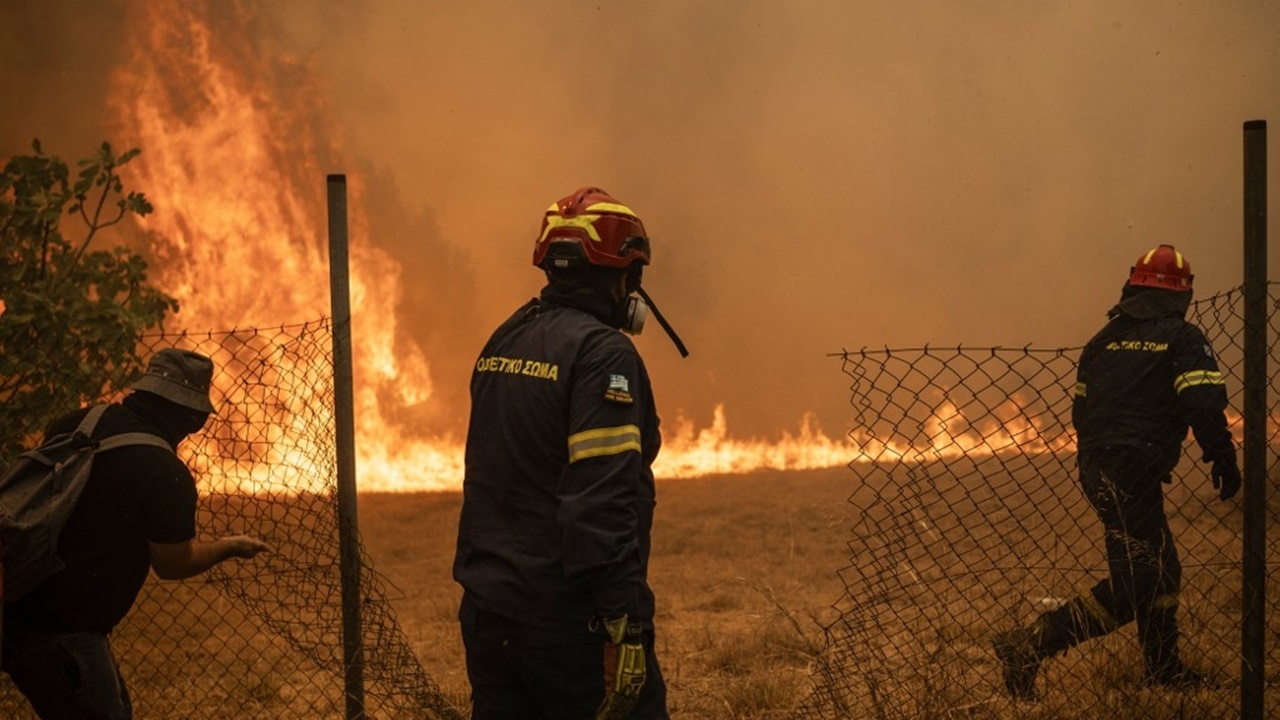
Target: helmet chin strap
(638, 309)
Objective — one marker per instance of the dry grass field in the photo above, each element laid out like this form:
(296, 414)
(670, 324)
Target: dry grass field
(744, 568)
(951, 553)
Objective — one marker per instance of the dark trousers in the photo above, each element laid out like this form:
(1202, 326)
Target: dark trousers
(70, 676)
(519, 672)
(1126, 488)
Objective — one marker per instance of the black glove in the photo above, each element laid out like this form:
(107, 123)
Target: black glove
(1226, 476)
(624, 668)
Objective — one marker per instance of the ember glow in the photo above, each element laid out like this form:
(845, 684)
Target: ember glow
(235, 149)
(238, 237)
(793, 212)
(946, 434)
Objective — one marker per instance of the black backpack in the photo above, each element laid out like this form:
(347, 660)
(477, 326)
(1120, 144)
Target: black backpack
(38, 493)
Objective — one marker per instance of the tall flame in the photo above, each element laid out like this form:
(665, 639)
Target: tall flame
(236, 233)
(236, 169)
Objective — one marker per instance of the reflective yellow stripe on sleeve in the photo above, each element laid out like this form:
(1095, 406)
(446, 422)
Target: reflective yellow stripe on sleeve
(1197, 377)
(603, 441)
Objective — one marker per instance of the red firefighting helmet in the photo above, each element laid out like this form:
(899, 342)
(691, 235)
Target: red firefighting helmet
(590, 227)
(1162, 267)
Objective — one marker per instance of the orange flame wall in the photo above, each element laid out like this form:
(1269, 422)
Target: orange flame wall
(237, 234)
(856, 173)
(236, 171)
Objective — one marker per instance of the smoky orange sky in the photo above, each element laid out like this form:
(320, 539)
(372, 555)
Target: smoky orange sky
(815, 175)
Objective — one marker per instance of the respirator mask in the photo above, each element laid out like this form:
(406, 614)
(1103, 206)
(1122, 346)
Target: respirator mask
(637, 305)
(635, 309)
(634, 312)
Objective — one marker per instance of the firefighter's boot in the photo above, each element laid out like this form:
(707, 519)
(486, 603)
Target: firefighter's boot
(1022, 651)
(1158, 631)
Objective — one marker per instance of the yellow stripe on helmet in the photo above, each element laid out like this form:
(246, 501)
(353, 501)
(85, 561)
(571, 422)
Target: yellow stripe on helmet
(1177, 256)
(585, 223)
(603, 441)
(604, 207)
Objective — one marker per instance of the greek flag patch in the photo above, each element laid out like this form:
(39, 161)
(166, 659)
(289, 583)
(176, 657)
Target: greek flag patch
(619, 390)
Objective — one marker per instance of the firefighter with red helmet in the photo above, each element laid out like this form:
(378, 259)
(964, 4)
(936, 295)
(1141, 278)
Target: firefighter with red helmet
(1142, 381)
(558, 494)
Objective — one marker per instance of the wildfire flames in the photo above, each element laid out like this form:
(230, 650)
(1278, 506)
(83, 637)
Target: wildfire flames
(238, 237)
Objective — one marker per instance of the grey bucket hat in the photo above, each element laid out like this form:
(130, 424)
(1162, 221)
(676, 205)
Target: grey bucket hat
(180, 376)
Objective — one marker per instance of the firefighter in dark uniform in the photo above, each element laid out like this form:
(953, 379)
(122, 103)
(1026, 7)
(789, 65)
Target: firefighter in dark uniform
(1144, 379)
(558, 495)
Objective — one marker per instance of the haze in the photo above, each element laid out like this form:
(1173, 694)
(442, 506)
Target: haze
(815, 176)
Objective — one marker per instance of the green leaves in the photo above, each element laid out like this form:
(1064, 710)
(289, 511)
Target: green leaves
(73, 315)
(136, 203)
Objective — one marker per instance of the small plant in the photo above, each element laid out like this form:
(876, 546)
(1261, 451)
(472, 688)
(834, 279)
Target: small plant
(72, 316)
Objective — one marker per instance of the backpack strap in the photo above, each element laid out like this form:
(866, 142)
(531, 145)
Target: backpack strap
(133, 438)
(90, 422)
(78, 437)
(84, 431)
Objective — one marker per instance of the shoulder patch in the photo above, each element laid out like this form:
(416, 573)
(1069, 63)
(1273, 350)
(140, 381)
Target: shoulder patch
(619, 390)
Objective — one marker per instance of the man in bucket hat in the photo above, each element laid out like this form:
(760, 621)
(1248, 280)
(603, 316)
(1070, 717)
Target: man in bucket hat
(137, 513)
(180, 376)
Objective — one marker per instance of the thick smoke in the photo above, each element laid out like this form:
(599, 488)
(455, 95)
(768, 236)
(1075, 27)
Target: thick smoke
(55, 61)
(816, 176)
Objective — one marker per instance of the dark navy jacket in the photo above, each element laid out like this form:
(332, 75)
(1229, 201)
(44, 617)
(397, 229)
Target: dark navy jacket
(558, 495)
(1142, 383)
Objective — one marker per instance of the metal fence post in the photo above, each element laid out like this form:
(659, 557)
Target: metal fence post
(344, 429)
(1253, 636)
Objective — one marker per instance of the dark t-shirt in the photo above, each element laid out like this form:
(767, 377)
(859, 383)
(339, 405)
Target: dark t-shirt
(136, 494)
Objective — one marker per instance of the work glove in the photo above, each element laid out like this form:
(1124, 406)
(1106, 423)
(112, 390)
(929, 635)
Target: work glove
(1226, 476)
(624, 668)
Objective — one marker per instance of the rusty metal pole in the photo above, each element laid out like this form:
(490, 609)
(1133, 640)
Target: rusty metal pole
(1256, 380)
(344, 435)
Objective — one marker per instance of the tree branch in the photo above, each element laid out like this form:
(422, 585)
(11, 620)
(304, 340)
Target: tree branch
(95, 223)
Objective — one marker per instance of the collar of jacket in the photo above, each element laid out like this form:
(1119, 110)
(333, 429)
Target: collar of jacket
(597, 305)
(1149, 303)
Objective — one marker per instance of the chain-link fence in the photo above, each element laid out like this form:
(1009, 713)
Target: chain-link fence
(972, 522)
(261, 638)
